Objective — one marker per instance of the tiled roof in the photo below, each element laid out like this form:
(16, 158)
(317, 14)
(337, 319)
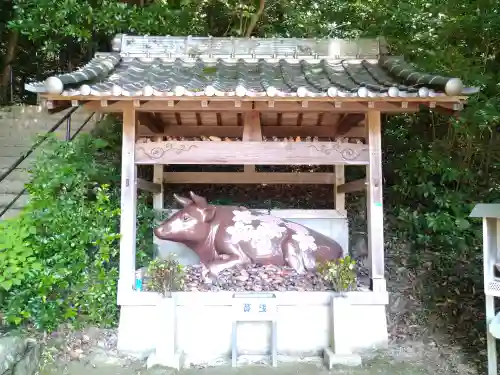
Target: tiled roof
(177, 66)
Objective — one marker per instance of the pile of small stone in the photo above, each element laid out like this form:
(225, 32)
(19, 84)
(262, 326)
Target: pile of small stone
(256, 278)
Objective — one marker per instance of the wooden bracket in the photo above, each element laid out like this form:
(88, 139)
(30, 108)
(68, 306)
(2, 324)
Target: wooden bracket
(348, 122)
(352, 186)
(148, 186)
(151, 121)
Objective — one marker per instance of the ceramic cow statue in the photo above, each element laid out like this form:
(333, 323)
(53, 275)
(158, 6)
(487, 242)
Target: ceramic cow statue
(228, 236)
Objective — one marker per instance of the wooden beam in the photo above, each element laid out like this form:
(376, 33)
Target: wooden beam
(128, 204)
(352, 186)
(339, 195)
(106, 106)
(194, 106)
(187, 98)
(151, 121)
(312, 106)
(158, 197)
(375, 211)
(148, 186)
(248, 178)
(348, 122)
(55, 106)
(237, 131)
(261, 153)
(252, 132)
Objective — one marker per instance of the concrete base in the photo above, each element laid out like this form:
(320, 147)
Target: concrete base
(199, 325)
(331, 359)
(170, 362)
(135, 331)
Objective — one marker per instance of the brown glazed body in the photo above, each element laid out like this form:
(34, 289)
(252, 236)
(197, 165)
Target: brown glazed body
(230, 236)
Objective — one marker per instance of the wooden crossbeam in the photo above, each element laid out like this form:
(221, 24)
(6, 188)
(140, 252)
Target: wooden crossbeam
(248, 178)
(235, 131)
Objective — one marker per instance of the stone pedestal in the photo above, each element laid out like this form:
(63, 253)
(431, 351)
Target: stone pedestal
(165, 354)
(340, 351)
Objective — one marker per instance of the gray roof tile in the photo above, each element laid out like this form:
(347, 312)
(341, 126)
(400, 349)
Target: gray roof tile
(174, 66)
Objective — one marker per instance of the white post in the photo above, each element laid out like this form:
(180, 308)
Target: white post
(128, 205)
(375, 212)
(490, 238)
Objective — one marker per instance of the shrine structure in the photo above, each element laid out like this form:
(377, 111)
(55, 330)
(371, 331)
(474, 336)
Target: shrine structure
(251, 102)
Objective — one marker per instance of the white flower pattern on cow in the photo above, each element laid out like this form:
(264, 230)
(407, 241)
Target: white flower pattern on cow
(260, 237)
(240, 232)
(306, 242)
(299, 229)
(245, 217)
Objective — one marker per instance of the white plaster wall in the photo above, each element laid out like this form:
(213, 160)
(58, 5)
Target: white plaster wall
(204, 333)
(204, 323)
(327, 222)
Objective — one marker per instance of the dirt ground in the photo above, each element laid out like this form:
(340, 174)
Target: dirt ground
(412, 358)
(283, 369)
(378, 366)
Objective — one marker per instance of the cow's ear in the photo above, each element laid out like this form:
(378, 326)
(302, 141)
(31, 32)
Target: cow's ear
(184, 201)
(199, 201)
(208, 214)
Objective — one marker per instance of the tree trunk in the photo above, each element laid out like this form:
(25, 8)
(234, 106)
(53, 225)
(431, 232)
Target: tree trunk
(7, 63)
(255, 19)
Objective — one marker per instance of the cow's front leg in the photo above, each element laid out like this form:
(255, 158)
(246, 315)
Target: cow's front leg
(229, 261)
(206, 275)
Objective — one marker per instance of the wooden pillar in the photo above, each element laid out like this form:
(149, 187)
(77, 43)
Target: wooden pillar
(158, 179)
(252, 132)
(374, 204)
(128, 204)
(339, 180)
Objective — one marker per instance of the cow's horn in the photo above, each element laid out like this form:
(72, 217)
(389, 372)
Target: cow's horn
(182, 200)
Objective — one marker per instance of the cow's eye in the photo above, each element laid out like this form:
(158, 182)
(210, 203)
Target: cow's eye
(185, 218)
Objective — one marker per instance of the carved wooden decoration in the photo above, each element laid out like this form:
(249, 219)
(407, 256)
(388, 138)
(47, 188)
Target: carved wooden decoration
(260, 153)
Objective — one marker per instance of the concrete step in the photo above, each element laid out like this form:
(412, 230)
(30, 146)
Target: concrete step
(20, 127)
(13, 212)
(11, 186)
(7, 161)
(5, 199)
(26, 137)
(19, 173)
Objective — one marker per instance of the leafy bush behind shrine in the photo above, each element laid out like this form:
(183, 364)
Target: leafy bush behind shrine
(59, 258)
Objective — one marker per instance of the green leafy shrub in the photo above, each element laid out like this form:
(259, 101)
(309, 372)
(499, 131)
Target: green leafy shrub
(60, 256)
(165, 276)
(341, 273)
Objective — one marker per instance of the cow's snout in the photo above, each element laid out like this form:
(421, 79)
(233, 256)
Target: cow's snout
(160, 232)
